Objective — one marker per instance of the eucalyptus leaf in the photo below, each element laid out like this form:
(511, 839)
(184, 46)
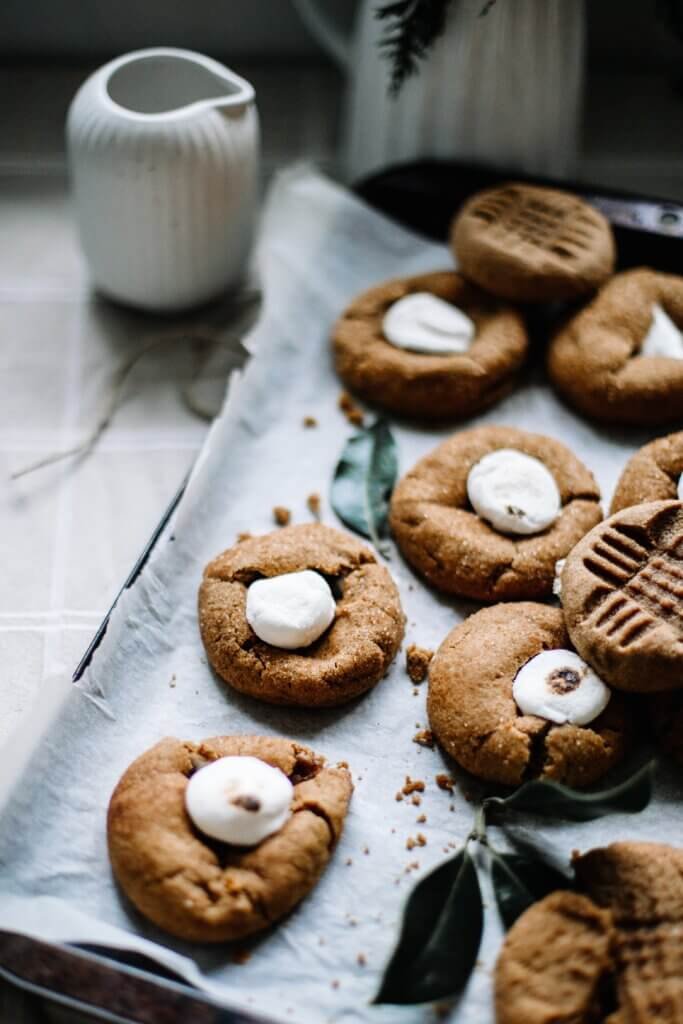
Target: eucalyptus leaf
(440, 935)
(519, 881)
(553, 800)
(364, 479)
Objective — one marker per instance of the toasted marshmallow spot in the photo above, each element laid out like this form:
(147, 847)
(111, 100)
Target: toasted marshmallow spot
(514, 492)
(561, 687)
(663, 338)
(239, 800)
(291, 610)
(421, 322)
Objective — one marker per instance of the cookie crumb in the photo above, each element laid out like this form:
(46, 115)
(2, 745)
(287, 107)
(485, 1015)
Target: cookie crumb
(349, 862)
(399, 796)
(424, 738)
(421, 819)
(314, 503)
(413, 866)
(361, 960)
(240, 956)
(353, 922)
(282, 515)
(334, 983)
(172, 683)
(353, 413)
(421, 839)
(310, 421)
(445, 781)
(243, 535)
(416, 800)
(412, 786)
(410, 843)
(366, 850)
(417, 662)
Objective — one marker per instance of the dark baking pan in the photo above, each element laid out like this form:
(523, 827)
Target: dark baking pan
(423, 196)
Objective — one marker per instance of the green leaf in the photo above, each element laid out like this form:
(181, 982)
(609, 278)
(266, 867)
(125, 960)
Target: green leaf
(440, 936)
(519, 880)
(553, 800)
(364, 479)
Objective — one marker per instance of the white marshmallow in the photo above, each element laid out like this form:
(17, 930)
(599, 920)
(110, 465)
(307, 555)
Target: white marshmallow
(239, 800)
(557, 581)
(559, 686)
(421, 322)
(291, 610)
(663, 338)
(679, 489)
(514, 492)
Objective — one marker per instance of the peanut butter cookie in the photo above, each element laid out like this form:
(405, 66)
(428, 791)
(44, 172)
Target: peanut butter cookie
(621, 593)
(350, 657)
(474, 716)
(459, 552)
(652, 474)
(430, 385)
(532, 244)
(611, 955)
(204, 890)
(599, 360)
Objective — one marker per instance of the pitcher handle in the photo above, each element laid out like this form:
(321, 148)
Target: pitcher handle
(329, 35)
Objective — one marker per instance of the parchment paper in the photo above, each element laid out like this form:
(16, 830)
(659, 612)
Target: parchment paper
(319, 246)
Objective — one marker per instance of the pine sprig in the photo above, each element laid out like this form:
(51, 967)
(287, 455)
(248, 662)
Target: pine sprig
(413, 26)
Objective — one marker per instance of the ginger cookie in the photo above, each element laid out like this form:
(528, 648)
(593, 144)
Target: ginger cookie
(520, 654)
(613, 954)
(203, 889)
(621, 594)
(620, 359)
(531, 244)
(654, 473)
(430, 347)
(535, 501)
(553, 963)
(303, 616)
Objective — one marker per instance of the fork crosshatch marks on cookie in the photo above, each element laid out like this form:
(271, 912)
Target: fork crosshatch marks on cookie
(625, 595)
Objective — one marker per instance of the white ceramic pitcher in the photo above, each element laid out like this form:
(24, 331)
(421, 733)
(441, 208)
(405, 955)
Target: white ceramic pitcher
(504, 89)
(163, 153)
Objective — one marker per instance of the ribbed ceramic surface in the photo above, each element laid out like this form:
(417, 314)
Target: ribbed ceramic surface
(165, 207)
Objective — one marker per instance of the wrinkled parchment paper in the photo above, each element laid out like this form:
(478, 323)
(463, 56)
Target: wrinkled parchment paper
(319, 247)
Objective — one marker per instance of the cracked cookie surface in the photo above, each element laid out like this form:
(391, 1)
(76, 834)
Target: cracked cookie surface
(532, 244)
(594, 361)
(206, 891)
(443, 538)
(651, 474)
(430, 386)
(475, 718)
(622, 595)
(612, 955)
(352, 655)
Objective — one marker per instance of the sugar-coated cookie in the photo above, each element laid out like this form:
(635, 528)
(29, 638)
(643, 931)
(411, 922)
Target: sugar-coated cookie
(622, 590)
(204, 890)
(474, 715)
(430, 384)
(532, 244)
(349, 657)
(602, 362)
(459, 552)
(652, 474)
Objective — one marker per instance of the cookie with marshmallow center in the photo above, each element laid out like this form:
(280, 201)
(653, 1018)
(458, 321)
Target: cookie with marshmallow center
(217, 840)
(654, 473)
(303, 616)
(432, 347)
(620, 359)
(510, 699)
(489, 512)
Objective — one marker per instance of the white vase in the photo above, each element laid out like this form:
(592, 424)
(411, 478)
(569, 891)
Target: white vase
(163, 155)
(503, 89)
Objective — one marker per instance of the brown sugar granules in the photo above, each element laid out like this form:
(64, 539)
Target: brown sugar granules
(445, 781)
(353, 413)
(281, 515)
(425, 738)
(417, 662)
(412, 786)
(314, 503)
(310, 421)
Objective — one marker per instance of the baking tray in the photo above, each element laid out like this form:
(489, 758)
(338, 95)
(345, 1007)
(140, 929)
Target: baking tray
(422, 196)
